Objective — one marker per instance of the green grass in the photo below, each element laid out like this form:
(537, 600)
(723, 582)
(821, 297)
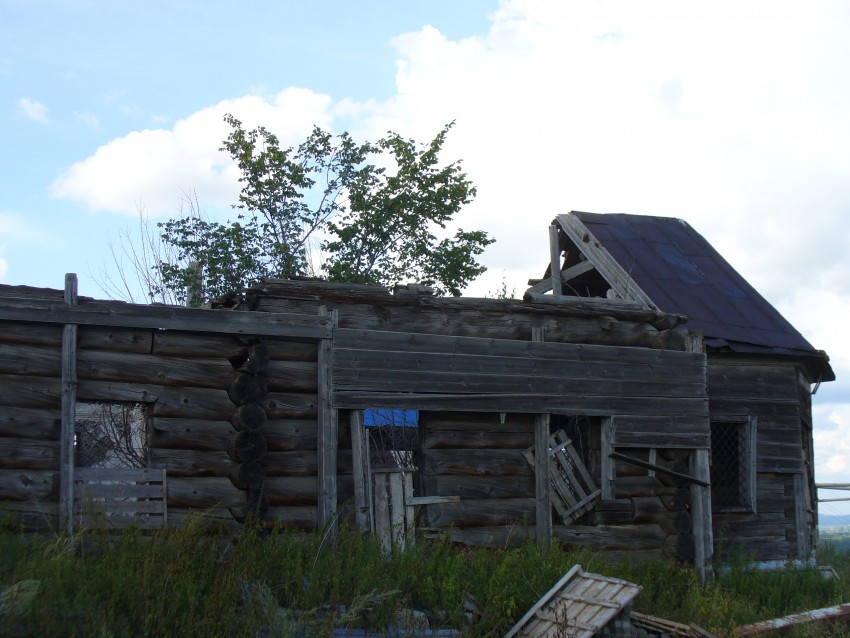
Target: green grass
(191, 582)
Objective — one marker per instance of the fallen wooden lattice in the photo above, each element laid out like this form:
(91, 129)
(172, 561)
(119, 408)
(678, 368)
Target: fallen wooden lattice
(578, 606)
(573, 490)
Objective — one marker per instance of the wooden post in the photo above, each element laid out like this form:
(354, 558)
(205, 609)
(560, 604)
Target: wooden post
(606, 437)
(555, 258)
(362, 473)
(801, 519)
(542, 487)
(701, 515)
(328, 436)
(69, 411)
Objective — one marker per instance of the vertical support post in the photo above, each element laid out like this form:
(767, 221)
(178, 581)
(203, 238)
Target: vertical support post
(606, 463)
(801, 519)
(328, 437)
(69, 411)
(542, 485)
(362, 473)
(555, 259)
(701, 515)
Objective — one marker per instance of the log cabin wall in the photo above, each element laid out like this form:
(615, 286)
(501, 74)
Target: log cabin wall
(191, 385)
(771, 391)
(463, 384)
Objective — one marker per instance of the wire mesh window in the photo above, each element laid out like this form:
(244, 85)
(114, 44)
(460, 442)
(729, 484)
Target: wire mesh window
(111, 434)
(733, 465)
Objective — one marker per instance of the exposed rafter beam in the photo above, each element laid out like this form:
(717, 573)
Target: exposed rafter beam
(619, 280)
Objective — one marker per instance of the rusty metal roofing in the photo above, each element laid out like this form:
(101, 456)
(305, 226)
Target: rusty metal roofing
(682, 273)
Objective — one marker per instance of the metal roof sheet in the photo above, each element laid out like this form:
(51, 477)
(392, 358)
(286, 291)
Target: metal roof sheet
(682, 273)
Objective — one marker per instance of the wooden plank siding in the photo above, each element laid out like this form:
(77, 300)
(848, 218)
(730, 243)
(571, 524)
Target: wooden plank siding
(432, 372)
(768, 390)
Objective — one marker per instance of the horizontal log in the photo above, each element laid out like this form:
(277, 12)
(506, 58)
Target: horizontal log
(484, 462)
(607, 537)
(29, 454)
(30, 392)
(202, 463)
(648, 509)
(30, 423)
(28, 485)
(199, 434)
(203, 493)
(613, 512)
(469, 422)
(88, 337)
(639, 486)
(301, 517)
(476, 439)
(481, 513)
(247, 446)
(116, 313)
(479, 487)
(214, 518)
(31, 516)
(584, 322)
(292, 376)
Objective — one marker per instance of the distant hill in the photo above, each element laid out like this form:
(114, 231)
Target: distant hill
(834, 520)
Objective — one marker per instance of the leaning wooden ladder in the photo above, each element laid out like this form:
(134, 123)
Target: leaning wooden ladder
(118, 497)
(574, 492)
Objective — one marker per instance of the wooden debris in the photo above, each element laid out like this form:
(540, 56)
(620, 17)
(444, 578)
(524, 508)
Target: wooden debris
(662, 626)
(579, 606)
(779, 624)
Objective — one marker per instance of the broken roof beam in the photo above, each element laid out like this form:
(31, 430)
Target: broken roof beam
(568, 274)
(619, 280)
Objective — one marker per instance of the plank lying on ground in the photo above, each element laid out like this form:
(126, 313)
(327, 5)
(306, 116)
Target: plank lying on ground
(777, 624)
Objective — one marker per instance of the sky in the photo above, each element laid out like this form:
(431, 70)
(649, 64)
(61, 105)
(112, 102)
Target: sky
(734, 116)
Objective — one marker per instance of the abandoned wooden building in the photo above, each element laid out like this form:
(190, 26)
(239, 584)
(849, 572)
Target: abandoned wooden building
(760, 370)
(590, 418)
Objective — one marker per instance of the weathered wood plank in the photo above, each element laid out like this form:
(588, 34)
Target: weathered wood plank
(483, 363)
(404, 380)
(120, 314)
(328, 437)
(542, 485)
(362, 475)
(600, 405)
(199, 434)
(88, 337)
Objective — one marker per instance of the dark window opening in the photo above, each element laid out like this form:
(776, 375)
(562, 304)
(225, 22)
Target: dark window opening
(393, 437)
(732, 465)
(584, 432)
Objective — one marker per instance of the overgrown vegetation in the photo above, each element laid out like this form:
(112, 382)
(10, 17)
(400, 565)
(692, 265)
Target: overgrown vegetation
(190, 582)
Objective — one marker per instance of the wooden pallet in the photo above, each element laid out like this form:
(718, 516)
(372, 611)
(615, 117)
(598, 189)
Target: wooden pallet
(118, 497)
(573, 490)
(578, 606)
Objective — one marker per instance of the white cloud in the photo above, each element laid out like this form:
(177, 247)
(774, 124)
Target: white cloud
(34, 110)
(87, 118)
(154, 167)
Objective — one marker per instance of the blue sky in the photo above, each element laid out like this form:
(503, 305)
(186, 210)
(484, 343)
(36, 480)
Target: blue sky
(732, 115)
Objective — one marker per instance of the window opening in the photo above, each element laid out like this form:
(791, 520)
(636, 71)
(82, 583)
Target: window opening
(733, 465)
(111, 434)
(393, 437)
